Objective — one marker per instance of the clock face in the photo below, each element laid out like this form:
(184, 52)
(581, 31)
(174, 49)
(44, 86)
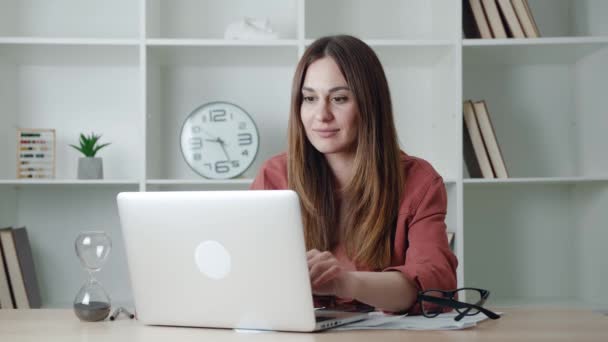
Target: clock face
(219, 140)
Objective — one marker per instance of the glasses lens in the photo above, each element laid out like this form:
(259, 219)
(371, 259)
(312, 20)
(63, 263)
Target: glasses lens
(429, 308)
(470, 297)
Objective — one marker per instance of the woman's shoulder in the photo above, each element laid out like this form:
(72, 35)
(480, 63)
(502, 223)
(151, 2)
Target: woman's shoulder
(420, 175)
(276, 162)
(418, 169)
(273, 173)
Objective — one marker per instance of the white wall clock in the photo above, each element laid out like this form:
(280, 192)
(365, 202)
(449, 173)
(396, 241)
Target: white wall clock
(219, 140)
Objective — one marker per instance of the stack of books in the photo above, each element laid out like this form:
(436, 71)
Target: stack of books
(18, 281)
(482, 154)
(498, 19)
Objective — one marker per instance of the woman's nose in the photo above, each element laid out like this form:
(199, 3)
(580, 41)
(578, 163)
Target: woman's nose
(323, 111)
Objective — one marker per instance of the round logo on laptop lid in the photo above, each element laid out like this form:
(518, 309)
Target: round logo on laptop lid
(212, 259)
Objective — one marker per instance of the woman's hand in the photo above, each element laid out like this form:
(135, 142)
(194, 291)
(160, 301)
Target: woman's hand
(327, 276)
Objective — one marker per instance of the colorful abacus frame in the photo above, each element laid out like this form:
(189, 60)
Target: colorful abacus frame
(35, 153)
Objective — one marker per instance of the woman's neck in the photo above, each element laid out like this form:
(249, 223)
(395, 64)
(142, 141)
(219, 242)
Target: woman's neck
(341, 167)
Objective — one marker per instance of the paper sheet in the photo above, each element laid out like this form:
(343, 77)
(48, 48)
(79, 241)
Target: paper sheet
(379, 320)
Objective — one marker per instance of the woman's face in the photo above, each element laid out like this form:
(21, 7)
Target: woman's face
(329, 111)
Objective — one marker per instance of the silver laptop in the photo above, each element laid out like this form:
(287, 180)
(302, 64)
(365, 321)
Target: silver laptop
(221, 259)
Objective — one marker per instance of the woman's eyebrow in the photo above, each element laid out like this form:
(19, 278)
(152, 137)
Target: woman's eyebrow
(330, 90)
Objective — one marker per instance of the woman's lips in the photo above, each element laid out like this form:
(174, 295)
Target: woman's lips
(326, 133)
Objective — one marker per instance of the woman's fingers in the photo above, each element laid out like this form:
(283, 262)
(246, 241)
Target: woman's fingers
(320, 268)
(330, 274)
(311, 253)
(315, 257)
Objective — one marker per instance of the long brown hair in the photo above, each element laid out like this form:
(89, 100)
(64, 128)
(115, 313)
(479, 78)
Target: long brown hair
(374, 192)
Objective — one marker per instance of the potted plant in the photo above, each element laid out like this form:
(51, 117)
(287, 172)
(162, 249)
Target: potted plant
(89, 166)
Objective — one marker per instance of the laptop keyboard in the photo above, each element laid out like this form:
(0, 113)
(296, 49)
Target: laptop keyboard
(324, 318)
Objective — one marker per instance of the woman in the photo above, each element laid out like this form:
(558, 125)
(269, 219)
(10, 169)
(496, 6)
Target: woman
(374, 217)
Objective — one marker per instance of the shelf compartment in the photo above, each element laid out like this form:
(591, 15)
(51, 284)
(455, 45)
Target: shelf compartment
(393, 19)
(563, 19)
(73, 89)
(451, 219)
(404, 42)
(54, 217)
(236, 181)
(198, 185)
(537, 242)
(68, 41)
(209, 18)
(63, 182)
(548, 112)
(570, 18)
(423, 82)
(220, 42)
(527, 181)
(181, 78)
(69, 18)
(531, 51)
(559, 41)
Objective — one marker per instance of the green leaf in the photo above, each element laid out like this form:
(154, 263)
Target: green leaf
(99, 148)
(88, 144)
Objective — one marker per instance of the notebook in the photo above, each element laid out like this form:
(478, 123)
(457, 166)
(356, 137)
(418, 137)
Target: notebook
(221, 259)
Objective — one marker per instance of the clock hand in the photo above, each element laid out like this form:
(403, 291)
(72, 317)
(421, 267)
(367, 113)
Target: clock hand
(209, 134)
(223, 145)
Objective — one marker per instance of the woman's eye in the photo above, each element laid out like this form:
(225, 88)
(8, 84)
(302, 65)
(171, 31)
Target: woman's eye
(309, 98)
(340, 99)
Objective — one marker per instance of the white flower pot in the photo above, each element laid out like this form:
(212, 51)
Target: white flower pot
(90, 168)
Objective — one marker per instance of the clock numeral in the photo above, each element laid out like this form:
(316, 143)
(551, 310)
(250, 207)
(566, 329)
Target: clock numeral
(222, 166)
(245, 139)
(196, 143)
(235, 163)
(217, 115)
(204, 118)
(242, 125)
(197, 156)
(245, 153)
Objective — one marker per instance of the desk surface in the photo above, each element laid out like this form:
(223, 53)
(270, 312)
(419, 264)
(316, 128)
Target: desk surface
(515, 325)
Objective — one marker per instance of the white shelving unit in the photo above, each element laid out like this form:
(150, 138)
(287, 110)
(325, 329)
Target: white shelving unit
(133, 70)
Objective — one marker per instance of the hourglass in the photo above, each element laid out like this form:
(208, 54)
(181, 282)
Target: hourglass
(92, 302)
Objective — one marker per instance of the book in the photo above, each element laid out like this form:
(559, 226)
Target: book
(493, 15)
(522, 9)
(6, 297)
(470, 159)
(489, 138)
(475, 23)
(21, 270)
(477, 161)
(513, 24)
(469, 28)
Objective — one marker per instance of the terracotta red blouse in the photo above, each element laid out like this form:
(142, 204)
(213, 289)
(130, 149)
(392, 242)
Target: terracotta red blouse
(420, 250)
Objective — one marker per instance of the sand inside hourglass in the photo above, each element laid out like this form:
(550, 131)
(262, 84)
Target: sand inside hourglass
(94, 311)
(92, 303)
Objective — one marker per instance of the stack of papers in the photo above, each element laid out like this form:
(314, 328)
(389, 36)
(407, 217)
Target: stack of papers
(379, 320)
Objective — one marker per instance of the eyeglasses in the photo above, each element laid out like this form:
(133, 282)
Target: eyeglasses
(434, 302)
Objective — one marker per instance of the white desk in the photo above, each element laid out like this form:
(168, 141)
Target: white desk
(516, 325)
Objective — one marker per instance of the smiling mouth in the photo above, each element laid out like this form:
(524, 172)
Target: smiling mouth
(326, 133)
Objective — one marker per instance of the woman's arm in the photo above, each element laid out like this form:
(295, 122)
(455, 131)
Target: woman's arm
(389, 291)
(427, 263)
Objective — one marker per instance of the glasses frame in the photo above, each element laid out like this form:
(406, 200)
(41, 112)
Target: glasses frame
(462, 308)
